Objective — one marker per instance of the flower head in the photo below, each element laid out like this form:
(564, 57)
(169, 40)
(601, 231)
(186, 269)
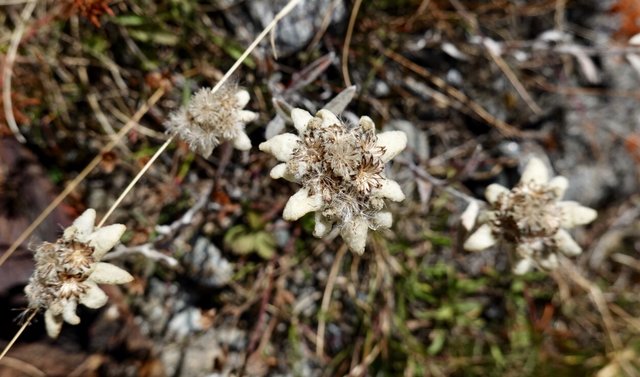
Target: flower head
(213, 117)
(532, 218)
(67, 272)
(341, 170)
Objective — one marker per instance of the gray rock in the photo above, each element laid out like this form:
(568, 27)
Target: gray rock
(206, 265)
(301, 25)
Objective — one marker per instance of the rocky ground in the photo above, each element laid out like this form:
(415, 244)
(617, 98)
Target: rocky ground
(479, 88)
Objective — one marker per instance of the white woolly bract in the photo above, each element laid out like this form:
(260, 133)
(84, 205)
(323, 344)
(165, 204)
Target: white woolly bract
(341, 170)
(212, 118)
(67, 272)
(532, 218)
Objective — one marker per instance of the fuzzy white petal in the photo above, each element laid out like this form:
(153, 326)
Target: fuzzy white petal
(94, 297)
(393, 142)
(354, 234)
(493, 192)
(300, 119)
(280, 171)
(535, 171)
(246, 116)
(281, 146)
(105, 238)
(389, 189)
(367, 124)
(470, 215)
(300, 204)
(82, 226)
(107, 273)
(382, 220)
(328, 118)
(322, 227)
(566, 244)
(243, 98)
(242, 142)
(481, 239)
(69, 313)
(523, 266)
(53, 324)
(574, 214)
(559, 185)
(550, 263)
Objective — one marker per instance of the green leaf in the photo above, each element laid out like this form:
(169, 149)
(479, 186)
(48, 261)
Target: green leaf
(255, 221)
(265, 245)
(129, 20)
(438, 337)
(243, 244)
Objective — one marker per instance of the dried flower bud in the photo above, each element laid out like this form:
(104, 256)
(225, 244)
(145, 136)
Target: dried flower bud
(532, 218)
(67, 272)
(341, 170)
(212, 118)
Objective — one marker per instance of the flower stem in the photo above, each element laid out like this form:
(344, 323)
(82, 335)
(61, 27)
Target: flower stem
(135, 180)
(83, 174)
(287, 8)
(15, 337)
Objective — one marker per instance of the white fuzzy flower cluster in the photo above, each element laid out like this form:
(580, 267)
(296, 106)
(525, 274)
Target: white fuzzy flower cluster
(212, 118)
(340, 168)
(68, 272)
(532, 218)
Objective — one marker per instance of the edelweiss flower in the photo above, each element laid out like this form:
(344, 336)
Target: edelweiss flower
(211, 118)
(340, 169)
(68, 272)
(532, 219)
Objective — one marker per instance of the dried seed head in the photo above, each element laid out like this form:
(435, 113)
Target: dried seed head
(340, 168)
(67, 271)
(529, 210)
(533, 218)
(212, 118)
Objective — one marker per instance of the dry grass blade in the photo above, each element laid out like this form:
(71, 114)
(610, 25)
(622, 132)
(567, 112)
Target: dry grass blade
(24, 367)
(8, 71)
(134, 181)
(503, 127)
(326, 300)
(83, 174)
(220, 83)
(20, 331)
(347, 42)
(598, 299)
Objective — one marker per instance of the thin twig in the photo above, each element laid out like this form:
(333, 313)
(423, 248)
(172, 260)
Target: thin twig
(326, 300)
(20, 331)
(502, 126)
(135, 180)
(224, 78)
(359, 369)
(255, 43)
(598, 299)
(7, 72)
(22, 366)
(347, 42)
(513, 78)
(83, 174)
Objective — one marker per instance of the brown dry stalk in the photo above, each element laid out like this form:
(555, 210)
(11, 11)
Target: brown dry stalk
(20, 331)
(503, 127)
(7, 70)
(83, 174)
(287, 8)
(326, 300)
(347, 42)
(596, 295)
